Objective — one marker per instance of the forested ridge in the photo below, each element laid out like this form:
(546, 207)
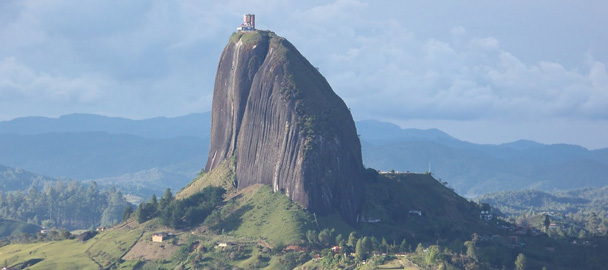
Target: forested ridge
(72, 205)
(12, 179)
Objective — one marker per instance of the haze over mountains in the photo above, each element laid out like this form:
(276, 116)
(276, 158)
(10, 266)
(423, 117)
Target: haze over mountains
(146, 156)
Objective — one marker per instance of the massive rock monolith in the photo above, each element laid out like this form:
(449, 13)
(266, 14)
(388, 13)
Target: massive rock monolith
(277, 117)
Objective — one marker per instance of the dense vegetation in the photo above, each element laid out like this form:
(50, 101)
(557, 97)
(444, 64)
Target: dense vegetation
(71, 206)
(181, 213)
(16, 228)
(262, 229)
(575, 213)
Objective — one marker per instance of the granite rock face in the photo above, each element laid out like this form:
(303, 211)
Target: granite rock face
(278, 119)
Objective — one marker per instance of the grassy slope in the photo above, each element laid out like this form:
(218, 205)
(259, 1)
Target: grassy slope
(282, 220)
(222, 176)
(109, 246)
(257, 215)
(67, 254)
(104, 249)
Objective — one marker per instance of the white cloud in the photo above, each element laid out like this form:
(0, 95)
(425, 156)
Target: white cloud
(18, 81)
(395, 60)
(386, 75)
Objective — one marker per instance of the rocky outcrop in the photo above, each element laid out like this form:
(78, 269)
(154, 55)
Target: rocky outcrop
(283, 125)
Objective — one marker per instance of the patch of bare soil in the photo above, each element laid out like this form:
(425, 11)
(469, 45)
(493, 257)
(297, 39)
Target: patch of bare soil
(148, 250)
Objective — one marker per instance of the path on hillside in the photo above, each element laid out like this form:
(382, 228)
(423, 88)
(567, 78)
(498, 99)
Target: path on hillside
(128, 249)
(123, 254)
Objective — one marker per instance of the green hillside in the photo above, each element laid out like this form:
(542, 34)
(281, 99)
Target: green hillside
(265, 215)
(102, 251)
(395, 200)
(255, 228)
(261, 221)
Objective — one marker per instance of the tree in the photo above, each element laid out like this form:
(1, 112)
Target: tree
(288, 261)
(384, 245)
(115, 207)
(48, 223)
(352, 240)
(434, 255)
(325, 237)
(471, 251)
(374, 243)
(153, 200)
(403, 247)
(582, 234)
(312, 237)
(340, 240)
(361, 249)
(145, 212)
(521, 262)
(547, 222)
(127, 212)
(166, 199)
(368, 244)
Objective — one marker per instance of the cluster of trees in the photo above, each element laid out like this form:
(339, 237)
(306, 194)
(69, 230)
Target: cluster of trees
(363, 247)
(581, 224)
(71, 206)
(181, 213)
(438, 257)
(14, 228)
(580, 213)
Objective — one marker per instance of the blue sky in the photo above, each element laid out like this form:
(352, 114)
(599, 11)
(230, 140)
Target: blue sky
(483, 71)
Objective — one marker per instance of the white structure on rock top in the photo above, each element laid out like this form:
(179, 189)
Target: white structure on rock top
(248, 23)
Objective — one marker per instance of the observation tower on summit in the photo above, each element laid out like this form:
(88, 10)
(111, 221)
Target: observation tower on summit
(248, 24)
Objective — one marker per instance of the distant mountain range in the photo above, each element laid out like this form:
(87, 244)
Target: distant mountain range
(192, 125)
(146, 156)
(139, 156)
(474, 169)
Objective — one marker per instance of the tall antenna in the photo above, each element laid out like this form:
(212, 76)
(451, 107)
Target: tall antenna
(429, 167)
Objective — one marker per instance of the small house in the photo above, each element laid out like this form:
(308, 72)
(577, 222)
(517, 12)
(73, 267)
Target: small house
(159, 237)
(370, 220)
(336, 249)
(486, 215)
(224, 244)
(416, 212)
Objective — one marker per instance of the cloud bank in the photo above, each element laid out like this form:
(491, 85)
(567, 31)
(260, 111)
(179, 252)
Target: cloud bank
(404, 62)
